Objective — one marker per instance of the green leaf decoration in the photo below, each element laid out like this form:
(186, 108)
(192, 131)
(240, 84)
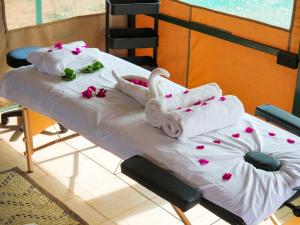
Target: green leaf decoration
(92, 68)
(69, 75)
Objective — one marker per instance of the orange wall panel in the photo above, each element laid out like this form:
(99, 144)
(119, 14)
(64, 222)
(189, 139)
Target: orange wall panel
(173, 51)
(251, 75)
(175, 9)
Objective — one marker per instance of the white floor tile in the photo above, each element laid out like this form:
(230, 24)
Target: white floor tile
(115, 198)
(147, 213)
(90, 215)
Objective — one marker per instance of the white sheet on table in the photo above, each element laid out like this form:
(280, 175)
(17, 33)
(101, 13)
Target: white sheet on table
(118, 124)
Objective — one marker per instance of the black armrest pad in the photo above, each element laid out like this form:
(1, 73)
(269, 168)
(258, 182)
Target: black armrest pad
(161, 182)
(280, 117)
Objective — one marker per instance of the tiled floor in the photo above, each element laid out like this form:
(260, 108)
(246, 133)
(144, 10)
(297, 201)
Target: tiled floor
(88, 180)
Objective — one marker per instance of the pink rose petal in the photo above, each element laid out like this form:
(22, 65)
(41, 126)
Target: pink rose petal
(249, 130)
(179, 108)
(168, 96)
(77, 51)
(101, 93)
(212, 98)
(203, 162)
(204, 103)
(85, 46)
(198, 102)
(143, 83)
(222, 98)
(186, 91)
(272, 134)
(217, 141)
(87, 93)
(290, 141)
(188, 110)
(93, 88)
(58, 45)
(200, 147)
(237, 135)
(50, 50)
(227, 176)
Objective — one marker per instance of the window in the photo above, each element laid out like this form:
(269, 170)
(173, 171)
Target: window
(274, 12)
(22, 13)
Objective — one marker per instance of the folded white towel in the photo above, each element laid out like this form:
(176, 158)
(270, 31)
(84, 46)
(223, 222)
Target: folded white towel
(157, 108)
(139, 92)
(213, 115)
(53, 60)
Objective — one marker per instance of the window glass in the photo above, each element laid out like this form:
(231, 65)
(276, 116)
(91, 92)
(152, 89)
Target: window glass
(274, 12)
(22, 13)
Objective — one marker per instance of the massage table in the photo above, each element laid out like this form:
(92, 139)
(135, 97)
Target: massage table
(117, 124)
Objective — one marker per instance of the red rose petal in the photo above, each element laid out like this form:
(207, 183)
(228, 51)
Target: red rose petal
(87, 94)
(186, 91)
(188, 110)
(249, 130)
(179, 108)
(198, 102)
(168, 96)
(101, 93)
(93, 88)
(217, 141)
(290, 141)
(272, 134)
(227, 176)
(212, 98)
(200, 147)
(58, 45)
(237, 135)
(204, 103)
(77, 51)
(222, 98)
(203, 162)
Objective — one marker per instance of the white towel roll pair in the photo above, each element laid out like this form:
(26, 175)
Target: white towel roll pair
(196, 120)
(158, 108)
(53, 60)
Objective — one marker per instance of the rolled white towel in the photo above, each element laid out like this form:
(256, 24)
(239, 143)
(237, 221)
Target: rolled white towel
(216, 114)
(141, 93)
(157, 108)
(54, 60)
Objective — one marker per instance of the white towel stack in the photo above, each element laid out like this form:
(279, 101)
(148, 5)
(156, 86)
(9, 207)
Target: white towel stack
(216, 114)
(157, 108)
(53, 60)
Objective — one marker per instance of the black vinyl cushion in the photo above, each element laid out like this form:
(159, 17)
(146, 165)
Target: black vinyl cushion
(280, 117)
(161, 182)
(263, 161)
(18, 57)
